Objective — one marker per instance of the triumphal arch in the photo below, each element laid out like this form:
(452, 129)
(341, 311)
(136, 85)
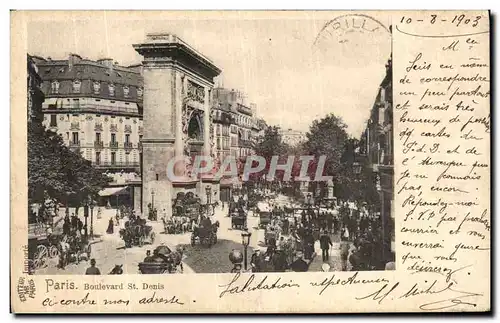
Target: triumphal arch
(178, 83)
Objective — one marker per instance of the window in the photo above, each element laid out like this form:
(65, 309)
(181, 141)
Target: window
(76, 86)
(140, 137)
(113, 137)
(111, 89)
(98, 136)
(53, 120)
(75, 138)
(76, 103)
(113, 158)
(54, 87)
(157, 177)
(97, 157)
(125, 91)
(127, 138)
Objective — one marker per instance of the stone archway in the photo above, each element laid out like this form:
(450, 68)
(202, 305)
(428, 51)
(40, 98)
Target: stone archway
(195, 128)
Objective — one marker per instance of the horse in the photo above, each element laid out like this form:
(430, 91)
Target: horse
(117, 270)
(176, 259)
(184, 224)
(64, 248)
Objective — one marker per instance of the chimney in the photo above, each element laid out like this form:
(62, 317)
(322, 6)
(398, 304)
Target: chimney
(108, 62)
(73, 59)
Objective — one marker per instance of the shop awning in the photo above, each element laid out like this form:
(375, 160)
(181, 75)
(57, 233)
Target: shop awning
(109, 191)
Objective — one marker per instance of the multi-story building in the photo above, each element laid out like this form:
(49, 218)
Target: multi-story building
(292, 137)
(35, 94)
(259, 129)
(222, 120)
(97, 108)
(239, 120)
(379, 151)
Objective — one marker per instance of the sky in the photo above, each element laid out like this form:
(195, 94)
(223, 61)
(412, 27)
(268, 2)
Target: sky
(271, 57)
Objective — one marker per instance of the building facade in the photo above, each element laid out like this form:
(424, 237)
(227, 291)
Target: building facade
(379, 150)
(292, 137)
(35, 94)
(96, 106)
(239, 129)
(222, 119)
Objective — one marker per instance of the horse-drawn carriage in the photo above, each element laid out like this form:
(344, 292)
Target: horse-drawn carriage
(186, 209)
(79, 246)
(238, 220)
(42, 245)
(271, 234)
(137, 233)
(163, 261)
(265, 215)
(205, 233)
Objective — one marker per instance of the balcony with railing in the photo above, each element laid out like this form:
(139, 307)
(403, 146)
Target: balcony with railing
(243, 109)
(113, 144)
(116, 165)
(132, 110)
(98, 144)
(245, 143)
(74, 146)
(128, 145)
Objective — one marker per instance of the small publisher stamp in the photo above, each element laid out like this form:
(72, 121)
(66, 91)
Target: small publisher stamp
(26, 289)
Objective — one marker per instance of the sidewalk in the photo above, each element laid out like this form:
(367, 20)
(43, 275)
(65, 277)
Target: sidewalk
(334, 256)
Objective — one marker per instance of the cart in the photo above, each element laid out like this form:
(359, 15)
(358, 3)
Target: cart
(163, 261)
(238, 220)
(264, 214)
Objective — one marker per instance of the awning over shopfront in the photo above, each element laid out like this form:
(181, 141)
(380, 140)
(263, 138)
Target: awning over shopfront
(110, 191)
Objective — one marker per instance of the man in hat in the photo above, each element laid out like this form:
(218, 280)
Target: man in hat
(255, 261)
(92, 270)
(344, 252)
(148, 256)
(325, 242)
(299, 265)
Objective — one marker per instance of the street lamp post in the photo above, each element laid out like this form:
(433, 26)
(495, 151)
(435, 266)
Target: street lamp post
(86, 215)
(67, 204)
(245, 238)
(91, 219)
(208, 190)
(236, 259)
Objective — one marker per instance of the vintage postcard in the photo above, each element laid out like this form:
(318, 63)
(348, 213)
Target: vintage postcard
(250, 161)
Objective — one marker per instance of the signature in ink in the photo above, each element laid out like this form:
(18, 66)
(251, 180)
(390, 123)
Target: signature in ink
(450, 302)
